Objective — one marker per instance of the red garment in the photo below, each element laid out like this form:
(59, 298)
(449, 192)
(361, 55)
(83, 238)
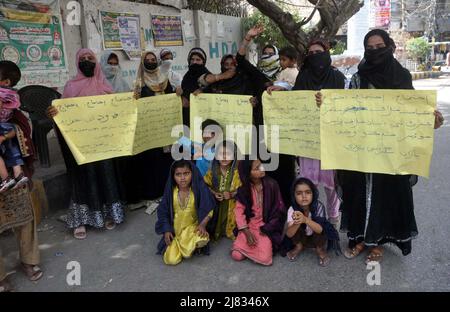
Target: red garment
(9, 98)
(262, 252)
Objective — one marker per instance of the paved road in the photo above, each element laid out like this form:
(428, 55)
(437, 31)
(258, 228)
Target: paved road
(125, 260)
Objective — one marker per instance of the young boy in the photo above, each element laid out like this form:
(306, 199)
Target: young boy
(288, 61)
(9, 148)
(204, 153)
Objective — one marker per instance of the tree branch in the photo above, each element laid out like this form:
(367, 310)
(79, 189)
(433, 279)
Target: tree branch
(333, 14)
(284, 20)
(306, 21)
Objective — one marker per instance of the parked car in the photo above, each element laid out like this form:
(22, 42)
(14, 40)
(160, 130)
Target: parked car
(436, 66)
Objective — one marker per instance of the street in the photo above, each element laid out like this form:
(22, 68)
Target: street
(125, 259)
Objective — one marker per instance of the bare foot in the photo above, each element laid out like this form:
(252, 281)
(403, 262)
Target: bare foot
(324, 259)
(355, 251)
(375, 254)
(32, 271)
(80, 232)
(294, 252)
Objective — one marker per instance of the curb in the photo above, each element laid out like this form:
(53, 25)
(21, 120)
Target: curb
(425, 75)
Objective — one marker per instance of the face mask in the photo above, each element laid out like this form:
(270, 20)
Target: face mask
(319, 61)
(111, 70)
(87, 68)
(150, 65)
(166, 65)
(267, 56)
(378, 56)
(196, 68)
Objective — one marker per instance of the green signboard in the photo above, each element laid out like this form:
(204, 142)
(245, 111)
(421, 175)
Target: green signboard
(32, 46)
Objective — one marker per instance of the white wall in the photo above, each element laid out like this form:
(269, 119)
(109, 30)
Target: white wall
(72, 39)
(213, 45)
(358, 26)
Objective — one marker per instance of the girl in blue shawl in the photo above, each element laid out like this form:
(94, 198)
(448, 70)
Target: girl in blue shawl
(113, 73)
(184, 212)
(307, 225)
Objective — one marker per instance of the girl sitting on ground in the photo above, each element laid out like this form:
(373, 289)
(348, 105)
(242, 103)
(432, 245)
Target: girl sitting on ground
(307, 225)
(184, 212)
(259, 215)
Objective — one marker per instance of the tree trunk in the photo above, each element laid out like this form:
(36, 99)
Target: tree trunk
(333, 14)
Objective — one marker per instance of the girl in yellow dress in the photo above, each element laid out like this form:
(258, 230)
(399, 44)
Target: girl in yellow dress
(184, 212)
(223, 181)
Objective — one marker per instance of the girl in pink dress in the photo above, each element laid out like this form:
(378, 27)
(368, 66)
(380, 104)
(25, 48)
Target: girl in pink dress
(260, 215)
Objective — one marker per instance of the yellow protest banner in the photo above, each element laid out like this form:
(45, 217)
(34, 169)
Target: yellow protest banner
(97, 127)
(108, 126)
(378, 131)
(232, 112)
(157, 115)
(295, 117)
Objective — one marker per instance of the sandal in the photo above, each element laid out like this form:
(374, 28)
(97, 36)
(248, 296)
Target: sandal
(21, 180)
(375, 255)
(292, 254)
(7, 184)
(32, 271)
(80, 232)
(354, 252)
(325, 261)
(5, 286)
(110, 225)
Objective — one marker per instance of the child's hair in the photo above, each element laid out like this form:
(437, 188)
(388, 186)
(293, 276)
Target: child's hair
(209, 122)
(229, 145)
(310, 184)
(245, 169)
(9, 70)
(269, 46)
(289, 52)
(182, 163)
(221, 146)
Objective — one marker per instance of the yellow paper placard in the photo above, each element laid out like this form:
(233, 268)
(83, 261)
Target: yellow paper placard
(378, 131)
(108, 126)
(232, 112)
(297, 118)
(156, 117)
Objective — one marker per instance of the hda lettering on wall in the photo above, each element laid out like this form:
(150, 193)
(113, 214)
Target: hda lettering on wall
(219, 49)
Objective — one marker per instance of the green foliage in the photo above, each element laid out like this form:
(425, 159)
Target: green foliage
(418, 48)
(338, 48)
(272, 34)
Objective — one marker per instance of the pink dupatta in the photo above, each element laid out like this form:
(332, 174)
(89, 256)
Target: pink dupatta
(87, 86)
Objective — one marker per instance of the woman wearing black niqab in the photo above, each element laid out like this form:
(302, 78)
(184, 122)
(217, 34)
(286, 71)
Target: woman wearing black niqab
(378, 208)
(190, 82)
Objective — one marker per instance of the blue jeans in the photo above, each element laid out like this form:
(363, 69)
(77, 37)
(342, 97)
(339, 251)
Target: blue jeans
(9, 149)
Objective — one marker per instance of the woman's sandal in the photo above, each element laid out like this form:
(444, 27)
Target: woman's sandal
(80, 232)
(354, 252)
(33, 272)
(375, 255)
